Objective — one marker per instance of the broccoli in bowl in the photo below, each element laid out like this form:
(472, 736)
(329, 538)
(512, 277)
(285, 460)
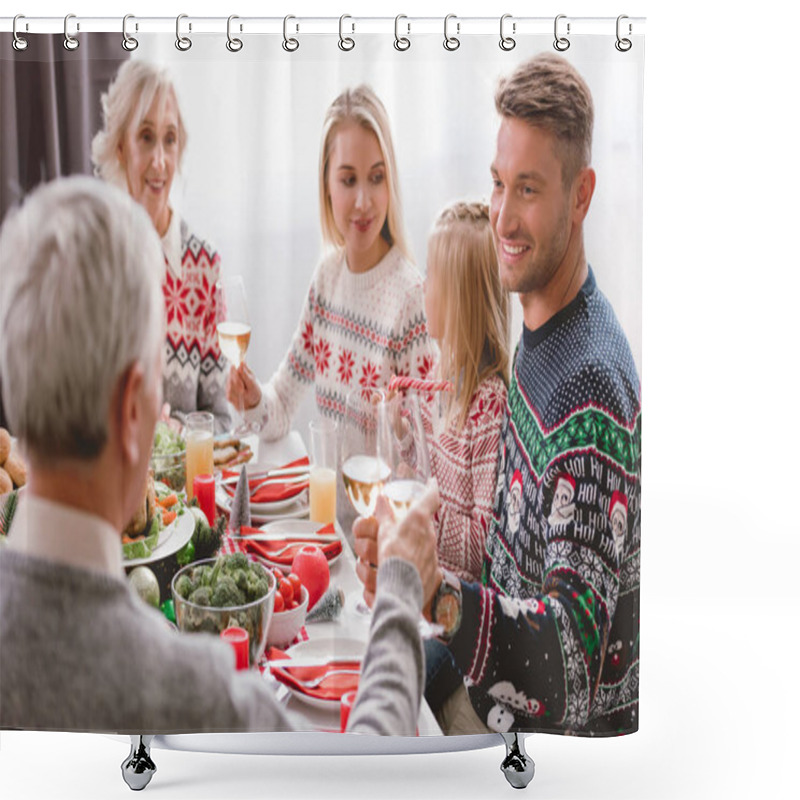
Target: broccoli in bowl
(231, 590)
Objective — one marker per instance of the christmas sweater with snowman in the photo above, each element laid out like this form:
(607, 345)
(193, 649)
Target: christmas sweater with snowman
(356, 330)
(549, 640)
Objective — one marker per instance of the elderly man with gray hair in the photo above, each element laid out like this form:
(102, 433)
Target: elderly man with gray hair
(81, 332)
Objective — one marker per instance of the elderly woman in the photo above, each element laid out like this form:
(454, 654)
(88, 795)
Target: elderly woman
(140, 149)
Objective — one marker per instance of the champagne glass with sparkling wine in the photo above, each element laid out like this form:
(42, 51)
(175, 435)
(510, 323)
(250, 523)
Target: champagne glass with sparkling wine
(403, 446)
(234, 333)
(363, 471)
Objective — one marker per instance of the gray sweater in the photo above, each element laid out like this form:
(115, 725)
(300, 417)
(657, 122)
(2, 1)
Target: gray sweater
(79, 651)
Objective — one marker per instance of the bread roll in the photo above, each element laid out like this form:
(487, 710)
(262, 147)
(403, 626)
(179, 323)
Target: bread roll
(142, 517)
(5, 482)
(5, 445)
(15, 467)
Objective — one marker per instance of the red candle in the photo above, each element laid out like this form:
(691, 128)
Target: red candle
(239, 639)
(347, 704)
(204, 489)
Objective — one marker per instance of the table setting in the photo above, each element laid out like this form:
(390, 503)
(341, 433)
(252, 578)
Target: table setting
(307, 633)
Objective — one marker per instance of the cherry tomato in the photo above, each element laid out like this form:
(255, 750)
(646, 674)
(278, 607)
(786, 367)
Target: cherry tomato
(293, 604)
(287, 590)
(278, 602)
(297, 585)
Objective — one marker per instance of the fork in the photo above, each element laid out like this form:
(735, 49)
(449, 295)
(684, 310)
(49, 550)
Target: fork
(285, 481)
(313, 683)
(271, 554)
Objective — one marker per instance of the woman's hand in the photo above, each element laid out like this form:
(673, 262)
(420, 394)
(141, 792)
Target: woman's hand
(242, 389)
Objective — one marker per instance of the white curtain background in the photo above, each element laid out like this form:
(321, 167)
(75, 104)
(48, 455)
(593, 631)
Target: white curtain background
(249, 182)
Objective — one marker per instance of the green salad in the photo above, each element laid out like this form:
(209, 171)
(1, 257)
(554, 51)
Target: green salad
(169, 457)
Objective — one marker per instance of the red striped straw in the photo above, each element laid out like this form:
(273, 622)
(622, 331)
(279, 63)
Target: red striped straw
(402, 382)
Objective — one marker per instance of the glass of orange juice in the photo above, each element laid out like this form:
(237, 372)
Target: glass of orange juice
(199, 447)
(322, 477)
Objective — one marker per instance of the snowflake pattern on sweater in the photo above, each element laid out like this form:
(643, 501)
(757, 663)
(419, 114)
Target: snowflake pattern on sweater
(550, 639)
(355, 330)
(464, 463)
(194, 367)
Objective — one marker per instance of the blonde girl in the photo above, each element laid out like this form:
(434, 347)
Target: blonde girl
(363, 319)
(467, 312)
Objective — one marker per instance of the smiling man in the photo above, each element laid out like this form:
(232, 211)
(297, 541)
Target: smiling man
(559, 586)
(549, 640)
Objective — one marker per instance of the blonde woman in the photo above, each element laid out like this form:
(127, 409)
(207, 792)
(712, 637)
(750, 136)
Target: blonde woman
(467, 312)
(364, 318)
(140, 149)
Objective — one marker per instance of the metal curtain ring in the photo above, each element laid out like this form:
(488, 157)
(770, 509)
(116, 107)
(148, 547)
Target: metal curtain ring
(233, 44)
(507, 42)
(18, 43)
(70, 42)
(561, 43)
(401, 42)
(289, 44)
(345, 42)
(129, 43)
(183, 43)
(451, 42)
(623, 45)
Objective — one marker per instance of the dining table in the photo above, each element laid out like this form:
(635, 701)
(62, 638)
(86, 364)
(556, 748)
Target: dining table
(348, 631)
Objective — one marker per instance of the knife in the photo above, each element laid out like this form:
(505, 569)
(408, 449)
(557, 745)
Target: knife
(291, 663)
(270, 473)
(311, 538)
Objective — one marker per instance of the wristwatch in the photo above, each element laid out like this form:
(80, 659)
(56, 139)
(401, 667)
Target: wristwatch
(446, 606)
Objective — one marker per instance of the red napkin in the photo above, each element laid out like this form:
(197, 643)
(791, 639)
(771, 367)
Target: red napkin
(273, 491)
(268, 549)
(330, 689)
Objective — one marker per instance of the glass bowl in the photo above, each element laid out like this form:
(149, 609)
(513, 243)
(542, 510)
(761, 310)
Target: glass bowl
(170, 468)
(254, 617)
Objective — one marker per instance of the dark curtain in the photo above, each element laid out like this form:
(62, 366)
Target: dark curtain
(50, 110)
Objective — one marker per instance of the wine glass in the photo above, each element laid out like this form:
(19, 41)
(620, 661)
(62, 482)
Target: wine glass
(233, 332)
(363, 471)
(403, 446)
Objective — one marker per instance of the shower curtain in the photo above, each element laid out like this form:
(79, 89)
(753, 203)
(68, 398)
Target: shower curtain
(548, 635)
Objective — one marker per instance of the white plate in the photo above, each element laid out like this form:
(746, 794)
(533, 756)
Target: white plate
(278, 505)
(171, 539)
(339, 647)
(295, 526)
(295, 506)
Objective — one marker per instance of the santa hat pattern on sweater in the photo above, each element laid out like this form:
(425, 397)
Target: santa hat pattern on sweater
(618, 501)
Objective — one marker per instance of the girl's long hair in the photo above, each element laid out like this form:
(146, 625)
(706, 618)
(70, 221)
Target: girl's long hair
(475, 307)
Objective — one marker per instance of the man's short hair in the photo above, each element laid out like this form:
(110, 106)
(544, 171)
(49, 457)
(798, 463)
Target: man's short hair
(548, 92)
(80, 302)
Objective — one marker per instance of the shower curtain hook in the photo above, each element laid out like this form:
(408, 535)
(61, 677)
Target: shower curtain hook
(401, 42)
(507, 42)
(289, 44)
(451, 42)
(623, 45)
(70, 42)
(346, 43)
(18, 42)
(561, 43)
(129, 43)
(233, 44)
(183, 43)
